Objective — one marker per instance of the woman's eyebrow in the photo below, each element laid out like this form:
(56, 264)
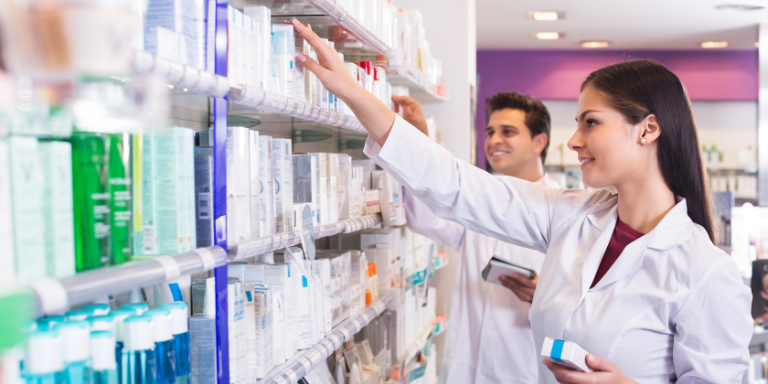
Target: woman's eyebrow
(584, 114)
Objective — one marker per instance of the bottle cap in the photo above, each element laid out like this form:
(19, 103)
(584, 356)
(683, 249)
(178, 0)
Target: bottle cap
(48, 322)
(78, 314)
(120, 315)
(102, 323)
(102, 350)
(98, 309)
(137, 333)
(139, 308)
(375, 74)
(367, 67)
(179, 316)
(161, 324)
(42, 352)
(74, 337)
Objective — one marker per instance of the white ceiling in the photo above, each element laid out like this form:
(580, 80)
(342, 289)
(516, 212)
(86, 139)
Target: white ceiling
(627, 24)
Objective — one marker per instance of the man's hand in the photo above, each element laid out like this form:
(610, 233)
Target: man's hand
(411, 112)
(605, 372)
(521, 286)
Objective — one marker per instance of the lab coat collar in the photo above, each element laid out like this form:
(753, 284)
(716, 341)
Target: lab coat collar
(674, 229)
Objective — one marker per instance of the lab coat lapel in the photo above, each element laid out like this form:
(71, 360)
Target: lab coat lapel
(603, 217)
(674, 229)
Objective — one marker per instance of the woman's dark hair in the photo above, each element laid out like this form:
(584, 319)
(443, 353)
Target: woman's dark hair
(642, 87)
(536, 114)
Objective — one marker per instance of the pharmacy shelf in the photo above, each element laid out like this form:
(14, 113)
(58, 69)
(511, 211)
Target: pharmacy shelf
(202, 82)
(307, 360)
(417, 345)
(56, 296)
(254, 247)
(418, 276)
(417, 82)
(352, 26)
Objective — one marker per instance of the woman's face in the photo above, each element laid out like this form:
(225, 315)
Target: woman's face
(608, 146)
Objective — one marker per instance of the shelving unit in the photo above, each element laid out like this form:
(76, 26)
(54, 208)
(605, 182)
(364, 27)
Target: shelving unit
(305, 361)
(55, 296)
(414, 79)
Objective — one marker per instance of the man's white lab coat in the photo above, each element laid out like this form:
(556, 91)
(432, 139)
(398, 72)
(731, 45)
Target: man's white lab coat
(489, 338)
(671, 308)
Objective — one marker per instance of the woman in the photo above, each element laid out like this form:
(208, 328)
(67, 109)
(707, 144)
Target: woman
(672, 307)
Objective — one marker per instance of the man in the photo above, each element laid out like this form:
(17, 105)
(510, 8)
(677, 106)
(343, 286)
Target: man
(489, 337)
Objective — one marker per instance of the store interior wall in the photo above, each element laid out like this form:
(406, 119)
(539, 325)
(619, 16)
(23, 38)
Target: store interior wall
(711, 77)
(450, 29)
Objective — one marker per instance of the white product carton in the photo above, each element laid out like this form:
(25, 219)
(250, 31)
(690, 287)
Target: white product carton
(254, 341)
(267, 186)
(177, 16)
(282, 164)
(344, 181)
(383, 181)
(202, 349)
(321, 268)
(565, 353)
(280, 278)
(301, 76)
(27, 207)
(318, 321)
(238, 185)
(283, 47)
(253, 46)
(233, 47)
(244, 41)
(252, 274)
(304, 183)
(255, 185)
(7, 262)
(162, 42)
(262, 299)
(321, 189)
(56, 160)
(263, 17)
(236, 326)
(278, 329)
(333, 187)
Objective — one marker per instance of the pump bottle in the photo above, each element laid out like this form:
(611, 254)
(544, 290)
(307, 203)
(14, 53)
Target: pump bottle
(42, 361)
(163, 336)
(103, 366)
(119, 315)
(138, 361)
(180, 328)
(75, 350)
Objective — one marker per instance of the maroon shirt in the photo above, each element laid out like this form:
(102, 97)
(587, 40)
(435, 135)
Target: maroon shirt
(622, 235)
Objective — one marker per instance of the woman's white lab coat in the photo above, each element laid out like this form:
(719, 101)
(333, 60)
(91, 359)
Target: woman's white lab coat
(672, 307)
(489, 338)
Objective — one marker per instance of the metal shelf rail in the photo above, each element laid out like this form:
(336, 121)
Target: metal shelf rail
(307, 360)
(354, 27)
(205, 83)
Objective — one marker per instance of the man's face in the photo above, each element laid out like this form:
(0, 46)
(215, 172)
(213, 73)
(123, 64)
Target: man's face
(509, 145)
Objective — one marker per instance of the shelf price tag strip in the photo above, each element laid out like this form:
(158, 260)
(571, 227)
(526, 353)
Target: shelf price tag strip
(170, 266)
(53, 296)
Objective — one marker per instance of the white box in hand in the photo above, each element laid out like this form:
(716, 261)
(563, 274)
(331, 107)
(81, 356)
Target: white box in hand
(565, 353)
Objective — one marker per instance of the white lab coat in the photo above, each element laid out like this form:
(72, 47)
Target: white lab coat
(489, 338)
(672, 307)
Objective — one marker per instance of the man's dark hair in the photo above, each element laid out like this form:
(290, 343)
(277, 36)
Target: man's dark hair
(536, 114)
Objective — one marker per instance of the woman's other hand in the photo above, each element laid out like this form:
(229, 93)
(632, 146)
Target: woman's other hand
(605, 372)
(411, 112)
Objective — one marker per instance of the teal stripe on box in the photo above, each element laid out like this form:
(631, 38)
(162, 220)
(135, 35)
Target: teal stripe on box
(557, 350)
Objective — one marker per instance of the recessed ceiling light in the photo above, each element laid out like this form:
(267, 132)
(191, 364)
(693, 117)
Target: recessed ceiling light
(546, 15)
(548, 35)
(714, 44)
(738, 7)
(595, 44)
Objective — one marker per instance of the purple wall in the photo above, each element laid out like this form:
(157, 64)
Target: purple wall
(707, 75)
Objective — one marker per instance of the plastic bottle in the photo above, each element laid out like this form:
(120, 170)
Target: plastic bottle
(103, 365)
(139, 308)
(42, 358)
(102, 323)
(119, 315)
(75, 350)
(98, 309)
(180, 328)
(164, 350)
(48, 322)
(138, 361)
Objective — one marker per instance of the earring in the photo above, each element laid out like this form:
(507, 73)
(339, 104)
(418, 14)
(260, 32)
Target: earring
(642, 141)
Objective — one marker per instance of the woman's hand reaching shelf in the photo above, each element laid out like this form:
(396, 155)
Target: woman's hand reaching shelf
(374, 115)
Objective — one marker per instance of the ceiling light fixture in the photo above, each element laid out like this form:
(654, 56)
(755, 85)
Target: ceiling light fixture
(595, 44)
(546, 15)
(548, 35)
(714, 44)
(738, 7)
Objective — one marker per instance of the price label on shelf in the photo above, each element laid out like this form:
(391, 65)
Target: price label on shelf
(53, 296)
(344, 331)
(207, 257)
(306, 363)
(358, 325)
(292, 376)
(171, 267)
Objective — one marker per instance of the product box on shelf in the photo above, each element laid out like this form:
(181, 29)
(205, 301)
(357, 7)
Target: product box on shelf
(163, 43)
(267, 195)
(304, 182)
(321, 190)
(204, 197)
(282, 164)
(321, 268)
(333, 186)
(56, 161)
(279, 278)
(144, 236)
(177, 16)
(8, 273)
(264, 324)
(303, 296)
(173, 165)
(236, 331)
(261, 15)
(238, 185)
(233, 47)
(253, 274)
(283, 48)
(255, 190)
(344, 182)
(120, 196)
(278, 329)
(91, 200)
(341, 265)
(202, 349)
